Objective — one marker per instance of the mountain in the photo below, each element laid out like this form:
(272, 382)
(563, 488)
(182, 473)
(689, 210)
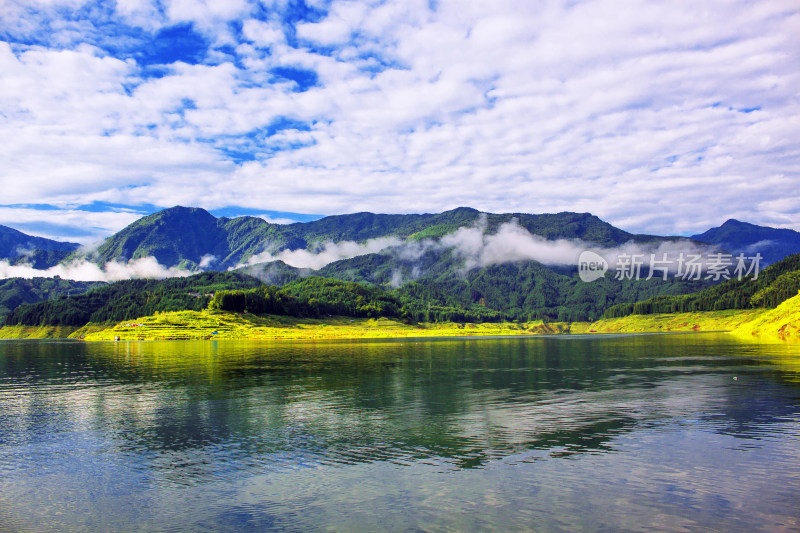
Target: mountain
(432, 279)
(17, 247)
(191, 237)
(741, 237)
(179, 236)
(424, 259)
(436, 286)
(17, 291)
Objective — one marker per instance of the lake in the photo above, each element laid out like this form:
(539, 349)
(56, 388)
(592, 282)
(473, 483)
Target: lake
(565, 433)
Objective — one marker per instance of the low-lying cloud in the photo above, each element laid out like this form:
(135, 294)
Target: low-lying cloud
(474, 245)
(510, 243)
(478, 248)
(513, 243)
(325, 253)
(82, 270)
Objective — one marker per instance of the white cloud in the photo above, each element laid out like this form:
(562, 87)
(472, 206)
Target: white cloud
(478, 248)
(261, 33)
(277, 220)
(325, 253)
(81, 270)
(91, 225)
(330, 31)
(207, 260)
(638, 112)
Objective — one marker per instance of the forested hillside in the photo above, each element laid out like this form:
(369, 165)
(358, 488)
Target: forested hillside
(17, 247)
(775, 284)
(126, 300)
(182, 236)
(311, 297)
(17, 291)
(436, 286)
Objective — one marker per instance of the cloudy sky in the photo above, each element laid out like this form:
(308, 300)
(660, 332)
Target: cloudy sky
(663, 117)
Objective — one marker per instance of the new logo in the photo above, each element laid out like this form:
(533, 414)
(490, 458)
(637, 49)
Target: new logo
(591, 266)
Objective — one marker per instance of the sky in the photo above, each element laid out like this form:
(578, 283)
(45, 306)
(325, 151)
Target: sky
(659, 117)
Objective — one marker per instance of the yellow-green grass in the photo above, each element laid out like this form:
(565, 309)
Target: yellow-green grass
(36, 332)
(221, 325)
(781, 323)
(698, 321)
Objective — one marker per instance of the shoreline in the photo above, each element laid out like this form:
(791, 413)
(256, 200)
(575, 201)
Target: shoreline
(781, 323)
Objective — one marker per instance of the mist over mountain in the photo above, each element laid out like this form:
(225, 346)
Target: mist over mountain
(741, 237)
(39, 252)
(459, 264)
(193, 238)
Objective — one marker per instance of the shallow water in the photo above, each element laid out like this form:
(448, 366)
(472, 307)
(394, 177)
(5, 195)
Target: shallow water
(636, 432)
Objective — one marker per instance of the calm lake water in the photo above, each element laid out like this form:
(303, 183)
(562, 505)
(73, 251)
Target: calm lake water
(585, 433)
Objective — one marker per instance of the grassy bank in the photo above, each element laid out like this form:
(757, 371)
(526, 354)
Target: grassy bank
(780, 324)
(36, 332)
(222, 325)
(697, 321)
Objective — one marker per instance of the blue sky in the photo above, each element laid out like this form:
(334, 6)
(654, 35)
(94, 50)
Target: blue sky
(660, 117)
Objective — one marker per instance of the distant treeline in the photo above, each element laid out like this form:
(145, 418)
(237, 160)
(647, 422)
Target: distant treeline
(18, 291)
(525, 291)
(775, 284)
(487, 296)
(129, 299)
(310, 297)
(228, 291)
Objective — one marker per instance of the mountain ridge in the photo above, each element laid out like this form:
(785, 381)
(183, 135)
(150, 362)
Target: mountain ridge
(738, 237)
(423, 257)
(41, 253)
(184, 236)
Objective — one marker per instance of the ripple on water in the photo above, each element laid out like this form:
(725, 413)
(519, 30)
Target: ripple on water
(618, 433)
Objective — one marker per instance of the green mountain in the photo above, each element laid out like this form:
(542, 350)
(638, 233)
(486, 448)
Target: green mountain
(130, 299)
(774, 285)
(423, 264)
(741, 237)
(191, 237)
(17, 291)
(434, 280)
(17, 247)
(436, 286)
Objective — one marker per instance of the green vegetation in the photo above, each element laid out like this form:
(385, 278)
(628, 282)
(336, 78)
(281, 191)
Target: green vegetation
(17, 291)
(435, 286)
(224, 325)
(767, 308)
(310, 297)
(129, 299)
(184, 236)
(775, 284)
(524, 291)
(668, 322)
(781, 323)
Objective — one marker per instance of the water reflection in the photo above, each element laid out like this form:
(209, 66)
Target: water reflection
(467, 402)
(189, 414)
